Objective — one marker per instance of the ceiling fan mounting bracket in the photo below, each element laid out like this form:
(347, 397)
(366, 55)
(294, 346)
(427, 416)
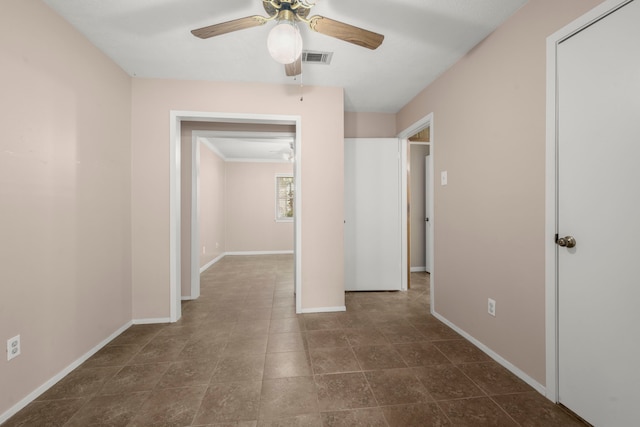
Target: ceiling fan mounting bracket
(298, 9)
(287, 15)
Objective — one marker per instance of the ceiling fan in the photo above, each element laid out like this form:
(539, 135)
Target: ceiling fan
(284, 42)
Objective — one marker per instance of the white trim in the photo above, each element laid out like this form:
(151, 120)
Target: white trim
(324, 309)
(243, 253)
(151, 321)
(195, 218)
(426, 121)
(404, 201)
(550, 250)
(551, 220)
(208, 144)
(297, 218)
(210, 263)
(495, 356)
(175, 287)
(431, 214)
(417, 126)
(418, 269)
(176, 117)
(257, 161)
(248, 135)
(57, 377)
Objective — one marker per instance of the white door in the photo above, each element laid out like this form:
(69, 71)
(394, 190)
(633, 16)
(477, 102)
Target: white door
(428, 217)
(372, 231)
(599, 206)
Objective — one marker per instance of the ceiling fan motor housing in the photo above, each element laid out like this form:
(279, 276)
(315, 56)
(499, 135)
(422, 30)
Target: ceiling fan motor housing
(287, 12)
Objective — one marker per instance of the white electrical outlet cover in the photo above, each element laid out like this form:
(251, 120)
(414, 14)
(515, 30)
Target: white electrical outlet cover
(13, 347)
(491, 307)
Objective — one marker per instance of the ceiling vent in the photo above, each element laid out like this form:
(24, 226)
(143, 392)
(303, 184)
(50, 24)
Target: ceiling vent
(312, 57)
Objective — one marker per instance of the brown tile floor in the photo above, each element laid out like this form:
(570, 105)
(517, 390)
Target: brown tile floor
(240, 356)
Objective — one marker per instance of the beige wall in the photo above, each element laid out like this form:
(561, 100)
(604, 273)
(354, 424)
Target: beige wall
(212, 194)
(489, 134)
(322, 180)
(250, 208)
(369, 125)
(65, 275)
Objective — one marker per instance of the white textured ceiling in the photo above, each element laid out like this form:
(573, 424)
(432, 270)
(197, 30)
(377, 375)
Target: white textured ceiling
(151, 38)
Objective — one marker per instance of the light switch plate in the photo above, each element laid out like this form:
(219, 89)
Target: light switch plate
(443, 178)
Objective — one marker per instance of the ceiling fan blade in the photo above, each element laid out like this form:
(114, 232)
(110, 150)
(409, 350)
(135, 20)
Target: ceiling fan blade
(229, 26)
(295, 68)
(345, 32)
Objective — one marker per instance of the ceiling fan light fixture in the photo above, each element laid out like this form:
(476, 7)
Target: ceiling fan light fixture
(284, 42)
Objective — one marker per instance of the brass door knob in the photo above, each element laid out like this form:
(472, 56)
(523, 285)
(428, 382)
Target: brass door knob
(568, 242)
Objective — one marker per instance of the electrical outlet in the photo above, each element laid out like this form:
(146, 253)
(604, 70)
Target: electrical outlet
(204, 250)
(13, 347)
(491, 307)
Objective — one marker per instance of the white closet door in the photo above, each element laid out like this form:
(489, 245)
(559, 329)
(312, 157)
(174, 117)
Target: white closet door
(372, 232)
(599, 206)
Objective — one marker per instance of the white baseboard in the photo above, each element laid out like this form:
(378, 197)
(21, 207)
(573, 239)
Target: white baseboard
(495, 356)
(151, 321)
(260, 253)
(53, 380)
(210, 263)
(323, 309)
(418, 269)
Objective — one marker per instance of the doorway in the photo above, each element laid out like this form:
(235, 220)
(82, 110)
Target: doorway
(418, 192)
(228, 173)
(176, 119)
(416, 129)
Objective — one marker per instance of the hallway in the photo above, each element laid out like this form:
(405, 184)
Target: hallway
(240, 356)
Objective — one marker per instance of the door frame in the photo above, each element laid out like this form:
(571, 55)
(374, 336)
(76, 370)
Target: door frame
(175, 142)
(424, 122)
(551, 188)
(428, 165)
(198, 138)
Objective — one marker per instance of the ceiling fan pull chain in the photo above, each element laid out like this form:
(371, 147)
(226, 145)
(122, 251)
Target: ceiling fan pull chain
(301, 84)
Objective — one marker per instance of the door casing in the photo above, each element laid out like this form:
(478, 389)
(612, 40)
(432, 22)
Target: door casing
(175, 120)
(424, 122)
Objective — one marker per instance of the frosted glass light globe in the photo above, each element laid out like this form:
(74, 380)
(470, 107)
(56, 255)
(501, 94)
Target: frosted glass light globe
(284, 42)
